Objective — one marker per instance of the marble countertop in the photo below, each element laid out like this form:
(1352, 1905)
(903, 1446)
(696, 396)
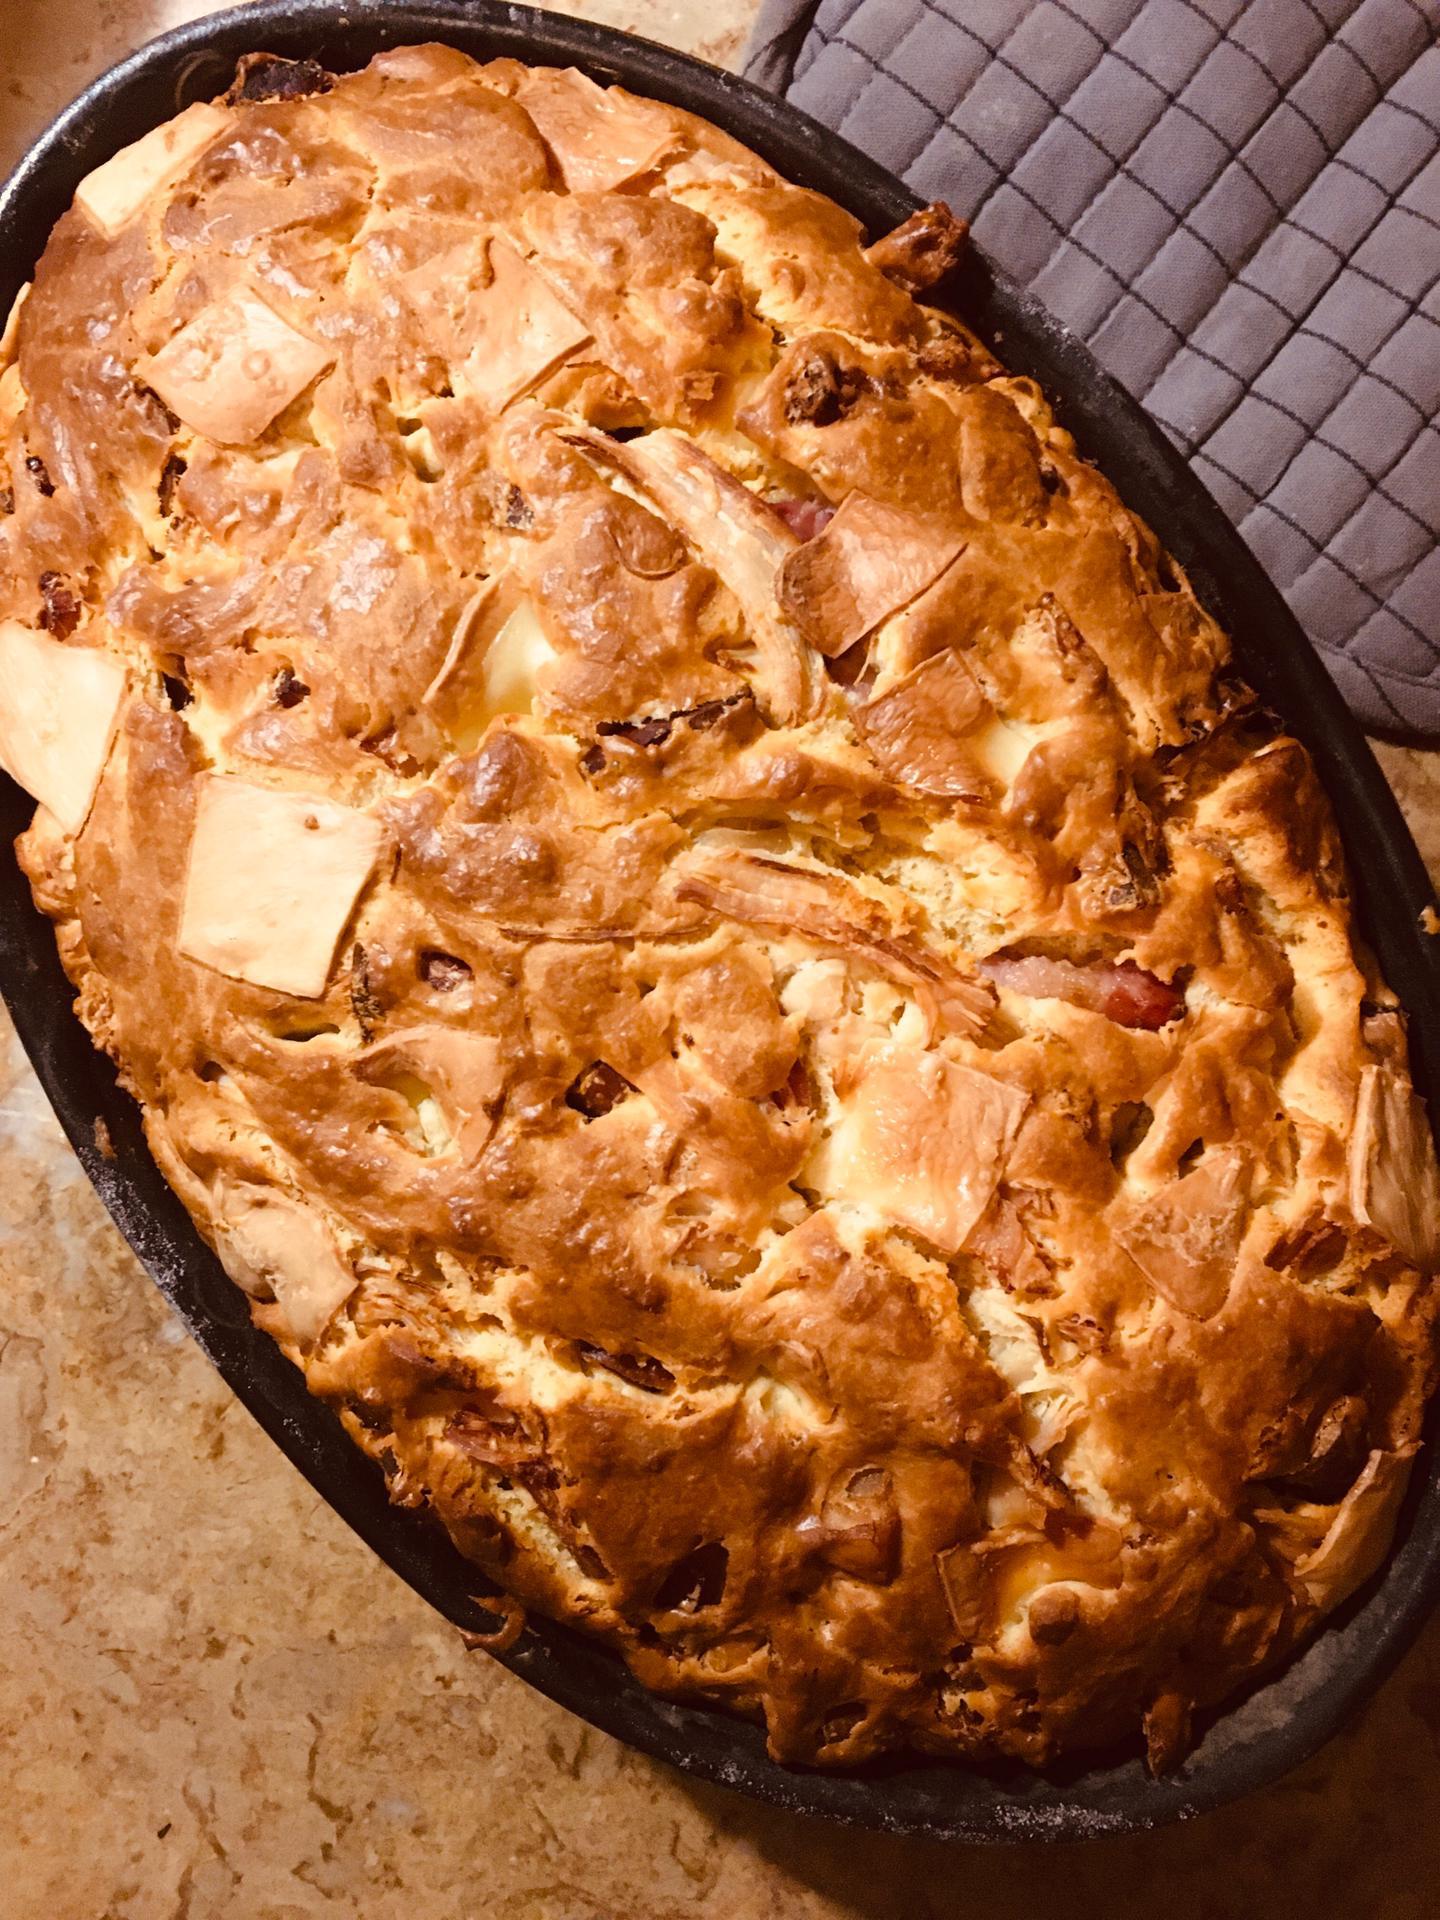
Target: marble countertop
(215, 1702)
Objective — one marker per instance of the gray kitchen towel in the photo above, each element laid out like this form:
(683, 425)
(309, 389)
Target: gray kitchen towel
(1237, 204)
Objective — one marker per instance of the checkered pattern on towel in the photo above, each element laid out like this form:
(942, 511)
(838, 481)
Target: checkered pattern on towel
(1237, 204)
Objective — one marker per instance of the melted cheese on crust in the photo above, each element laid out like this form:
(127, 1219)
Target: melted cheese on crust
(121, 186)
(58, 709)
(231, 369)
(272, 881)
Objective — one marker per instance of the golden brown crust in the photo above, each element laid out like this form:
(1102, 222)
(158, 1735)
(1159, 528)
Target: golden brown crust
(845, 1143)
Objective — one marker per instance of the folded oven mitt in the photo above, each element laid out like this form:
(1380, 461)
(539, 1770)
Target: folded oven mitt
(1237, 204)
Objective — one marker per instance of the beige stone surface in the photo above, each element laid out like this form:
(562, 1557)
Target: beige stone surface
(216, 1705)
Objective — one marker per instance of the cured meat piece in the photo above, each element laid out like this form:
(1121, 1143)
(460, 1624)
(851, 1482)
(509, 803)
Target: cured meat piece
(805, 518)
(1123, 992)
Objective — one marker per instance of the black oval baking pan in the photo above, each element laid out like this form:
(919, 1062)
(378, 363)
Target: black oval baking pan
(1281, 1722)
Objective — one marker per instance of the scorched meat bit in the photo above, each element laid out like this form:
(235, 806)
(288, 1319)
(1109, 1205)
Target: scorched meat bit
(657, 729)
(1316, 1246)
(641, 1370)
(265, 76)
(171, 475)
(696, 1581)
(819, 391)
(364, 1003)
(444, 972)
(496, 1435)
(170, 421)
(711, 712)
(951, 358)
(61, 612)
(597, 1089)
(1335, 1454)
(508, 505)
(640, 733)
(289, 691)
(923, 249)
(1139, 888)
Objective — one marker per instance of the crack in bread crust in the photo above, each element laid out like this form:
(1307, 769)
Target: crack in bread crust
(844, 1141)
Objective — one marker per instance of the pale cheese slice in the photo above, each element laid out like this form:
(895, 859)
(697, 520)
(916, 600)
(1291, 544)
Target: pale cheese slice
(494, 663)
(271, 1245)
(601, 140)
(514, 661)
(453, 1078)
(744, 542)
(443, 291)
(10, 332)
(1186, 1237)
(869, 562)
(272, 882)
(1394, 1176)
(114, 193)
(923, 1140)
(1359, 1536)
(233, 368)
(12, 399)
(522, 331)
(1003, 746)
(58, 710)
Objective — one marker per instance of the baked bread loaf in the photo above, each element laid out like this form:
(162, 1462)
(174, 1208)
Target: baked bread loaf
(698, 917)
